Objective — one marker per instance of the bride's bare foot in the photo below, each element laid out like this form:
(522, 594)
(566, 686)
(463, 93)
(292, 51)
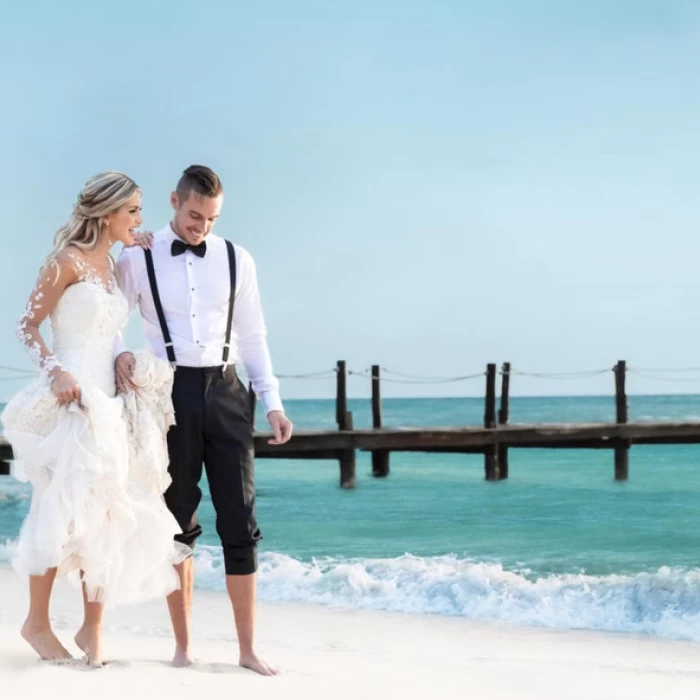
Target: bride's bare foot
(44, 642)
(89, 641)
(182, 658)
(252, 662)
(81, 639)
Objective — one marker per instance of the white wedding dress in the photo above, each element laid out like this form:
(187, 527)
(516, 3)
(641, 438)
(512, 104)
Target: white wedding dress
(98, 472)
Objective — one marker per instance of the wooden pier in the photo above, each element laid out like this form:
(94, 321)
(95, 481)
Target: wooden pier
(493, 439)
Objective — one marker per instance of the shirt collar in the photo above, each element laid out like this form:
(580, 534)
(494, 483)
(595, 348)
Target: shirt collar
(169, 235)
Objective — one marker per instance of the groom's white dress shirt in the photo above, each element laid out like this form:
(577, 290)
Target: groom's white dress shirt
(195, 295)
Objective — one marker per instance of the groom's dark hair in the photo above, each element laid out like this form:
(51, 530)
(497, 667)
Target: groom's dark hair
(203, 181)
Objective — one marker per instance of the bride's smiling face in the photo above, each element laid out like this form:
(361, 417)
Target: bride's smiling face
(123, 222)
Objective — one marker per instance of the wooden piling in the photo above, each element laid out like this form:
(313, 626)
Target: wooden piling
(490, 451)
(376, 398)
(341, 395)
(380, 458)
(344, 419)
(347, 460)
(622, 448)
(503, 415)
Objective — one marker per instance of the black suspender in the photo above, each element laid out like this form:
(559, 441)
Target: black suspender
(159, 306)
(229, 321)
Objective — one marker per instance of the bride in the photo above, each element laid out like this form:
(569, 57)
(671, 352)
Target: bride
(97, 462)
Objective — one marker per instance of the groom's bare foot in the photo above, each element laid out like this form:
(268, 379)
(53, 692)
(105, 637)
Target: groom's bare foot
(252, 662)
(182, 658)
(89, 641)
(44, 642)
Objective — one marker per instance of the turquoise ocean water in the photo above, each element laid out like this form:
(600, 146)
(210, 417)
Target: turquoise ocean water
(560, 544)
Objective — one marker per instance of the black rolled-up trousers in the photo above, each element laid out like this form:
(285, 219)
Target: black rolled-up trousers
(214, 428)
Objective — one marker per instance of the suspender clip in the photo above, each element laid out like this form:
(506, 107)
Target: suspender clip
(173, 361)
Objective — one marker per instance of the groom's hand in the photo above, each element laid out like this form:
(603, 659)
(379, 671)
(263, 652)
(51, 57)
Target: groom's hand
(124, 371)
(281, 427)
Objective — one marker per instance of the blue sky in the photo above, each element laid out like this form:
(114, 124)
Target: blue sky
(426, 185)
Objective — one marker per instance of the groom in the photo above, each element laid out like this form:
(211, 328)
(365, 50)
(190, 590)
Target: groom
(183, 289)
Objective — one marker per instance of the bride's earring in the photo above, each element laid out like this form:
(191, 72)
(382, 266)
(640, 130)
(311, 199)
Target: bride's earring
(109, 237)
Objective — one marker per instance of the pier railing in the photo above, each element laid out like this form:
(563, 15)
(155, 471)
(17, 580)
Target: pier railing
(493, 439)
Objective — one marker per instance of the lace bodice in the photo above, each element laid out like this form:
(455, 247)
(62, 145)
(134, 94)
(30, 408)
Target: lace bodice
(84, 325)
(86, 314)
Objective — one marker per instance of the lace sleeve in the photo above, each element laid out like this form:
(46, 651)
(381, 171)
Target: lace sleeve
(52, 282)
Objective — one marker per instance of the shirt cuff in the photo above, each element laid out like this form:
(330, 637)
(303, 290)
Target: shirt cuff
(271, 401)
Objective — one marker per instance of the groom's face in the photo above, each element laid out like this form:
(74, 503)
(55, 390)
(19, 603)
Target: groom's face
(195, 217)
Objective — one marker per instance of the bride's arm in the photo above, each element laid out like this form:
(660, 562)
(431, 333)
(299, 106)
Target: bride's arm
(53, 280)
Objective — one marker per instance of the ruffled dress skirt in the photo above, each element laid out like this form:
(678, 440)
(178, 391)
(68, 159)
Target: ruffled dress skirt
(98, 474)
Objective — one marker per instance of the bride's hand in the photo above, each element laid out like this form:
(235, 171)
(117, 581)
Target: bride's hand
(65, 388)
(124, 371)
(144, 239)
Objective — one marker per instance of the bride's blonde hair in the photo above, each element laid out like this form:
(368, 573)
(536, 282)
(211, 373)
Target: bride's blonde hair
(103, 193)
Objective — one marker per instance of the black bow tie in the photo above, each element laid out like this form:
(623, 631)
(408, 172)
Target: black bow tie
(179, 247)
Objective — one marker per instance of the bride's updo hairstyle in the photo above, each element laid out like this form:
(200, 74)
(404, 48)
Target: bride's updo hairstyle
(103, 193)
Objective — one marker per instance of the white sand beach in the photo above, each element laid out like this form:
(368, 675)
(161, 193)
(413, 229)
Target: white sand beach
(332, 653)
